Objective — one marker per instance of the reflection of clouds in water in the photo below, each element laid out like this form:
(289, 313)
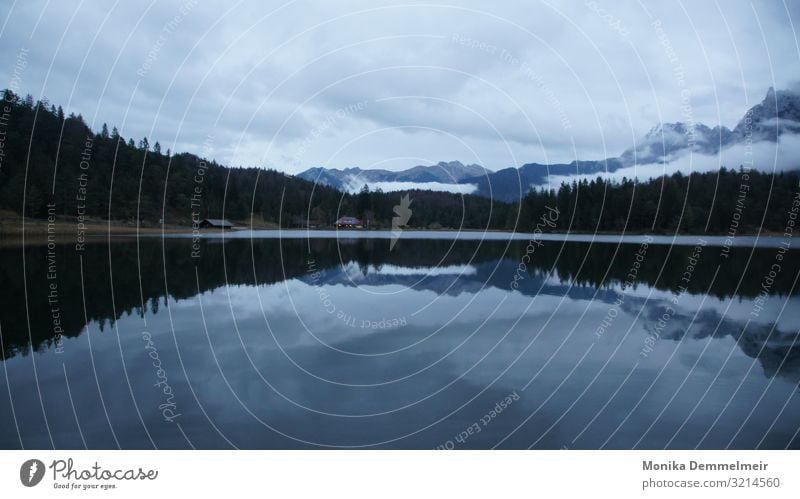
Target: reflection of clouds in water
(775, 348)
(412, 376)
(698, 315)
(542, 351)
(547, 305)
(431, 271)
(738, 308)
(357, 273)
(765, 155)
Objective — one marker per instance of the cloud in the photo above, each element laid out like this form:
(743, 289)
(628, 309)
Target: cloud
(498, 84)
(764, 156)
(354, 185)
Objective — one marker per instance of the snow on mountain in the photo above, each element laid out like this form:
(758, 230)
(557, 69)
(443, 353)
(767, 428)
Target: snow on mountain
(778, 115)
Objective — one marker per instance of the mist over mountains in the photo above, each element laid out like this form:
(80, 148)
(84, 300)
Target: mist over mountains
(123, 181)
(443, 174)
(666, 148)
(777, 114)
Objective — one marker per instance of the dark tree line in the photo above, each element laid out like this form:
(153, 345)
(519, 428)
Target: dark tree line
(106, 176)
(27, 322)
(713, 202)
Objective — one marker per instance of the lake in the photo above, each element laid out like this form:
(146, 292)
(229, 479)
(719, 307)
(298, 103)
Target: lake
(319, 340)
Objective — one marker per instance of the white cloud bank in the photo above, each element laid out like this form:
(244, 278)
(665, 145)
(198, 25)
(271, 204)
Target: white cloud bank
(764, 156)
(355, 185)
(494, 83)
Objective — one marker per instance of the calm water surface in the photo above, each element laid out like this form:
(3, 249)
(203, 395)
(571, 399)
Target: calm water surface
(349, 342)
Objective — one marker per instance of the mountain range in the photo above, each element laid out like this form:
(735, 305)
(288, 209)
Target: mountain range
(778, 114)
(453, 172)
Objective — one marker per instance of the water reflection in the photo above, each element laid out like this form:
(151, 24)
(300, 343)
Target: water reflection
(295, 343)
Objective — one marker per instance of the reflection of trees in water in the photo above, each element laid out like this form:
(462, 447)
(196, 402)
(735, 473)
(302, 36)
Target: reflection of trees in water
(671, 262)
(166, 269)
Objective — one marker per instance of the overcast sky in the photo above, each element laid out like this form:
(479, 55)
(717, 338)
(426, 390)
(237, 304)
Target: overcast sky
(291, 85)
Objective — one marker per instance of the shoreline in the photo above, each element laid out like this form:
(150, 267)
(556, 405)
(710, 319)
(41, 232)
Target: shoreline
(35, 227)
(36, 231)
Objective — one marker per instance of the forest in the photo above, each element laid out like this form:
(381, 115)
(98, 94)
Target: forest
(49, 158)
(727, 201)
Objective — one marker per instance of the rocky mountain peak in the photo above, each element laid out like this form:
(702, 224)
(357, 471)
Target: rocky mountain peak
(778, 113)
